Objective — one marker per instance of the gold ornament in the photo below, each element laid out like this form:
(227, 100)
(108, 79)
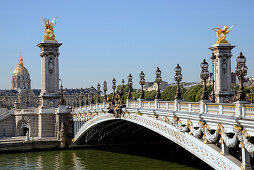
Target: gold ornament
(49, 31)
(175, 118)
(220, 129)
(237, 128)
(201, 122)
(221, 34)
(166, 119)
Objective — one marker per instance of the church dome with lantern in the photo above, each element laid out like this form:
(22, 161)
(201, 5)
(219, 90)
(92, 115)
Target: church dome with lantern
(20, 77)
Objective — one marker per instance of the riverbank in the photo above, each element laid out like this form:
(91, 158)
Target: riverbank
(19, 144)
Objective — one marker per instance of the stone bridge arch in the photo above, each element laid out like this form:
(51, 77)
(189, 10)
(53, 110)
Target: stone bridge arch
(206, 152)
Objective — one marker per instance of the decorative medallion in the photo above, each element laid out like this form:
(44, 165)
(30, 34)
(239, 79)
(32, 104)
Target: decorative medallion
(51, 65)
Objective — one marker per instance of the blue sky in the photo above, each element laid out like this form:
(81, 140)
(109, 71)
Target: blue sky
(103, 39)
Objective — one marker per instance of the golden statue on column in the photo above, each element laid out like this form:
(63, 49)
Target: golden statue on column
(49, 32)
(221, 34)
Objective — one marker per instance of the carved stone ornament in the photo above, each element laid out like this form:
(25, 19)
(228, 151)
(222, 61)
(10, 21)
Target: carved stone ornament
(51, 65)
(224, 66)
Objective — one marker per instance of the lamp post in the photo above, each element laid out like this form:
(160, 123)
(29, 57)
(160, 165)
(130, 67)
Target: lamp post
(105, 90)
(158, 81)
(178, 77)
(92, 93)
(235, 91)
(86, 96)
(129, 85)
(98, 92)
(213, 57)
(241, 71)
(142, 83)
(81, 97)
(61, 91)
(251, 94)
(114, 86)
(122, 90)
(204, 76)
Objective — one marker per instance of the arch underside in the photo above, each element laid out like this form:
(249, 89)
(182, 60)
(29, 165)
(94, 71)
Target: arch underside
(209, 153)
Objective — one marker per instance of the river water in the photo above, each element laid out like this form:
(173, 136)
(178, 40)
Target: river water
(97, 159)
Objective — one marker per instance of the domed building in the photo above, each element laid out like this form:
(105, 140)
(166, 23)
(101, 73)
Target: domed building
(20, 77)
(20, 95)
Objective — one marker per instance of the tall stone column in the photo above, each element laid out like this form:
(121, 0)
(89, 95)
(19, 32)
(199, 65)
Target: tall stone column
(49, 73)
(222, 72)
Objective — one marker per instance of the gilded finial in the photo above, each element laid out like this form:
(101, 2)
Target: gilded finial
(20, 60)
(49, 31)
(221, 34)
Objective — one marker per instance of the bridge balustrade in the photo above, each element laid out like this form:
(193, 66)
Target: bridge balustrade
(226, 109)
(194, 107)
(162, 105)
(248, 111)
(213, 108)
(184, 107)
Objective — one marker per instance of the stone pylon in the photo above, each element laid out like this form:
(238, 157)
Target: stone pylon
(49, 73)
(222, 72)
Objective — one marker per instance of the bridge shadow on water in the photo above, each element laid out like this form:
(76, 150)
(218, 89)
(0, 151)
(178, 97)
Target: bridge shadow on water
(137, 140)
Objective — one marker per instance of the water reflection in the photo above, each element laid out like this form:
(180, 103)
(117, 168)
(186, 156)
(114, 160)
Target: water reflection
(87, 159)
(39, 162)
(77, 162)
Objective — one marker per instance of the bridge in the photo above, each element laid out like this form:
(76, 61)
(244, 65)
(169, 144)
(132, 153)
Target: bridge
(220, 134)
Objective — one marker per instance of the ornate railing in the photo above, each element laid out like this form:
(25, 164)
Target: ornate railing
(248, 110)
(226, 109)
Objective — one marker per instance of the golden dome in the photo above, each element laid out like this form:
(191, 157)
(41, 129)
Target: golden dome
(20, 70)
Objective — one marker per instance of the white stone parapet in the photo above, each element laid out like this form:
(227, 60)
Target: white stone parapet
(233, 110)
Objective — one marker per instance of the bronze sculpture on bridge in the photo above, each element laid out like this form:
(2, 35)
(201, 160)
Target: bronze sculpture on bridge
(116, 104)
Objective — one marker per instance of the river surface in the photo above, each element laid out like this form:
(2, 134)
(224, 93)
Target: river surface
(94, 159)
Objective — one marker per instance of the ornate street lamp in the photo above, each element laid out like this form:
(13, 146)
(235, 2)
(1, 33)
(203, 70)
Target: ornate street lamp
(158, 81)
(213, 57)
(129, 85)
(105, 90)
(114, 85)
(251, 94)
(98, 92)
(178, 78)
(142, 83)
(235, 87)
(122, 90)
(86, 96)
(92, 93)
(81, 97)
(204, 76)
(61, 92)
(241, 71)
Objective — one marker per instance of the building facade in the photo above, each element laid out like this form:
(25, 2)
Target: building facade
(21, 96)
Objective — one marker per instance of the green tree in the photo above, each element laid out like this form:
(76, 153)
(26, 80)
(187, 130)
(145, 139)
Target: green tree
(190, 93)
(150, 94)
(169, 93)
